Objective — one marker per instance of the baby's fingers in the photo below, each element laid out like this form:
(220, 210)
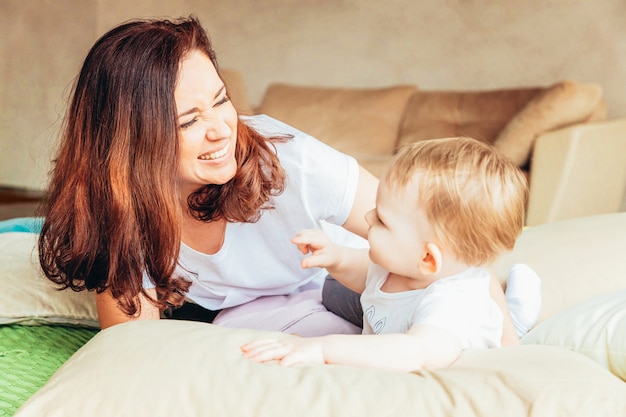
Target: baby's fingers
(304, 248)
(264, 350)
(310, 237)
(258, 345)
(295, 358)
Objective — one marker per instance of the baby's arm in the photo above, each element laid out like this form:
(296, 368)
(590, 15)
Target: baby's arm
(421, 347)
(347, 265)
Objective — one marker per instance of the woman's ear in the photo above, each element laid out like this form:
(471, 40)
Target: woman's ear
(431, 259)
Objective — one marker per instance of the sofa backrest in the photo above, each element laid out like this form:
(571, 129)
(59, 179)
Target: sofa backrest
(477, 114)
(372, 123)
(509, 119)
(357, 121)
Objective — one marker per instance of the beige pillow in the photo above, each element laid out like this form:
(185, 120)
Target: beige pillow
(478, 114)
(354, 121)
(577, 259)
(596, 328)
(562, 104)
(172, 368)
(28, 297)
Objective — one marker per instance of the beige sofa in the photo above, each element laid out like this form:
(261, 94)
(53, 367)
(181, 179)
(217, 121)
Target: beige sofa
(573, 363)
(575, 158)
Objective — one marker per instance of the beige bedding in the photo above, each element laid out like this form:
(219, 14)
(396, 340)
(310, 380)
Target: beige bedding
(169, 368)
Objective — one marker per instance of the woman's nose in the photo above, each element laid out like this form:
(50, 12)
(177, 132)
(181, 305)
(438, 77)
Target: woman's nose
(368, 217)
(218, 129)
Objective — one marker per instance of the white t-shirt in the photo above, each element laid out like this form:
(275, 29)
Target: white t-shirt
(258, 259)
(460, 304)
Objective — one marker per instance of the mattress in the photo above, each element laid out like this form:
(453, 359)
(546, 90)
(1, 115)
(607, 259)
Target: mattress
(29, 355)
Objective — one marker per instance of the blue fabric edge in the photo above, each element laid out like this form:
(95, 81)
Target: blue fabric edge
(22, 224)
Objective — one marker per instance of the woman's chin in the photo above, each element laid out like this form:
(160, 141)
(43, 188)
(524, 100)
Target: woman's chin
(223, 178)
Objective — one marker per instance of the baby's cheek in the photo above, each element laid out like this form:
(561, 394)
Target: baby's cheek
(376, 256)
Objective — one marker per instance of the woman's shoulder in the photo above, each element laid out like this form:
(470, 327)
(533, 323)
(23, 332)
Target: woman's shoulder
(298, 147)
(268, 126)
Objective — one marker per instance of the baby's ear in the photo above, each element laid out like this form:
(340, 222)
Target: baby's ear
(431, 259)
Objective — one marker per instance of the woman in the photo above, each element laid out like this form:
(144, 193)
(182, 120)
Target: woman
(153, 155)
(160, 193)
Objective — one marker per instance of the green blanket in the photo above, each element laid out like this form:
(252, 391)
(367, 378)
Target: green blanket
(29, 355)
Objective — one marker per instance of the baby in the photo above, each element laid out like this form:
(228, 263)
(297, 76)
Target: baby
(445, 210)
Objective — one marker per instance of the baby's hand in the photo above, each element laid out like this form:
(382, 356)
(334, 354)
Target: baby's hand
(310, 240)
(321, 248)
(287, 351)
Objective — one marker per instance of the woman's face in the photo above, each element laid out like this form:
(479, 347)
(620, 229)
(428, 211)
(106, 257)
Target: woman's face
(207, 124)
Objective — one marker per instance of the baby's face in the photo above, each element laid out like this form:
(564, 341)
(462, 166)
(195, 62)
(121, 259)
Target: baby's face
(398, 229)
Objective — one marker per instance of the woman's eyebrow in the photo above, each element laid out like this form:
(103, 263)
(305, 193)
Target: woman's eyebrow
(196, 109)
(190, 111)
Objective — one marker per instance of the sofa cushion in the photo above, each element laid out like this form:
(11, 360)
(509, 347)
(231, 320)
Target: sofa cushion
(594, 328)
(172, 368)
(562, 104)
(355, 121)
(577, 259)
(477, 114)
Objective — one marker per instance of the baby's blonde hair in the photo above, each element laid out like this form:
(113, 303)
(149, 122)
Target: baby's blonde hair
(473, 197)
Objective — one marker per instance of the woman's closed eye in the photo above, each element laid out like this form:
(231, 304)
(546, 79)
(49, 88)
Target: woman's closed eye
(223, 100)
(188, 124)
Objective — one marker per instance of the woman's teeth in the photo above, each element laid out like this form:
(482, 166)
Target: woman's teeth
(214, 155)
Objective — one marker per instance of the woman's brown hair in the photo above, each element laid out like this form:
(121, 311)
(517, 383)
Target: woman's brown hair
(113, 211)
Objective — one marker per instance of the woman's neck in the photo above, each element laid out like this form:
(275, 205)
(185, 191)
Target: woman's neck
(205, 237)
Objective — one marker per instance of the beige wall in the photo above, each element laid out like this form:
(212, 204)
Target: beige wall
(40, 47)
(451, 44)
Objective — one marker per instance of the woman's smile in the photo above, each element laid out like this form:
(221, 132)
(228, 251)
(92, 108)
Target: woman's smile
(213, 155)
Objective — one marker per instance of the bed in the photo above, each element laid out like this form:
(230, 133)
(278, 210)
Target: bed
(29, 355)
(54, 361)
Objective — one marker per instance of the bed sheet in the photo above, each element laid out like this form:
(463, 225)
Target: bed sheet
(29, 355)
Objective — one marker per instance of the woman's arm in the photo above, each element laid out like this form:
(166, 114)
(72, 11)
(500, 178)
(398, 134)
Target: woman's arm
(364, 201)
(110, 314)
